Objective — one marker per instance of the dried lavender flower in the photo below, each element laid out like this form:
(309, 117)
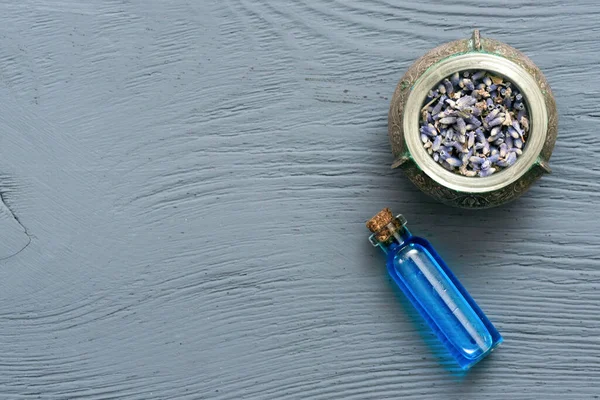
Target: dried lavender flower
(478, 75)
(436, 143)
(496, 121)
(437, 108)
(455, 162)
(487, 172)
(518, 143)
(449, 86)
(447, 120)
(455, 78)
(474, 123)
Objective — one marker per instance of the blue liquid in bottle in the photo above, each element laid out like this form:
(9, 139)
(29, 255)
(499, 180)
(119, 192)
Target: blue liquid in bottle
(421, 274)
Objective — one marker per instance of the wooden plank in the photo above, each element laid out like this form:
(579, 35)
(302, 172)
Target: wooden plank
(195, 177)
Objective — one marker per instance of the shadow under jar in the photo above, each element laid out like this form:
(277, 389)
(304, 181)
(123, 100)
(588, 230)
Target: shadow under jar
(426, 73)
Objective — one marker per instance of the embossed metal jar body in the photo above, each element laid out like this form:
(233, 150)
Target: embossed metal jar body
(446, 186)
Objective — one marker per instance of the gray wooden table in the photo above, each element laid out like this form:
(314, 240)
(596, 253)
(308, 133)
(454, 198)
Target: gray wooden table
(184, 188)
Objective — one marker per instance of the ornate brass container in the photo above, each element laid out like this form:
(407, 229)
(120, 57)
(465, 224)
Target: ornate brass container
(448, 187)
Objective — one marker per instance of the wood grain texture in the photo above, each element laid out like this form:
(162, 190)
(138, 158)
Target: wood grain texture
(194, 177)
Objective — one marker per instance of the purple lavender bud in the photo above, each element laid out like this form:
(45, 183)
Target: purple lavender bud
(436, 143)
(493, 87)
(471, 140)
(511, 158)
(509, 142)
(494, 150)
(486, 172)
(494, 95)
(517, 126)
(490, 103)
(455, 162)
(441, 88)
(503, 148)
(513, 133)
(437, 108)
(448, 86)
(432, 94)
(466, 74)
(468, 84)
(507, 102)
(480, 86)
(503, 92)
(455, 78)
(494, 157)
(424, 138)
(518, 97)
(478, 75)
(486, 148)
(518, 143)
(462, 139)
(427, 145)
(496, 121)
(495, 130)
(465, 102)
(428, 130)
(479, 146)
(486, 164)
(499, 142)
(461, 125)
(448, 120)
(516, 150)
(436, 157)
(487, 80)
(479, 134)
(519, 106)
(520, 115)
(476, 160)
(476, 112)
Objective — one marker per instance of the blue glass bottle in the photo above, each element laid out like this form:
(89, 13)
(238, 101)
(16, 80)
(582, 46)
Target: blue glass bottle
(421, 274)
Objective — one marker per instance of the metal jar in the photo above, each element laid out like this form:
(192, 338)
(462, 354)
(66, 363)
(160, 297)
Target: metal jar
(409, 96)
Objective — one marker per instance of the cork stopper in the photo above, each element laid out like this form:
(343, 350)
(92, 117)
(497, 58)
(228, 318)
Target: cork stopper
(380, 225)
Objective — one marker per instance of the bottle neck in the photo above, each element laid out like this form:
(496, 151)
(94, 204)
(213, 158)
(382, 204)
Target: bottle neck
(397, 239)
(388, 232)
